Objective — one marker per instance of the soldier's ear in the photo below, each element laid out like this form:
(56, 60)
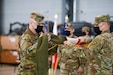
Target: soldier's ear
(73, 30)
(30, 21)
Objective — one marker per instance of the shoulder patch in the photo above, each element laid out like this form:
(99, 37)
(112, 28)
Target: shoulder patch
(25, 37)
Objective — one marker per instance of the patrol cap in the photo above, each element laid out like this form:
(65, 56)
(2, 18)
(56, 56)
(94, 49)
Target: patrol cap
(69, 26)
(85, 28)
(102, 18)
(37, 17)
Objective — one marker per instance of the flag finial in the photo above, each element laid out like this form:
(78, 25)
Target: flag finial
(66, 18)
(56, 16)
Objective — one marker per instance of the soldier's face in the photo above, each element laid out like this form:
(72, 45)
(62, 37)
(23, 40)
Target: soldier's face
(103, 26)
(44, 29)
(41, 28)
(33, 23)
(68, 29)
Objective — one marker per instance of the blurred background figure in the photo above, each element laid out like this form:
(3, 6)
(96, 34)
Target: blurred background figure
(69, 30)
(86, 34)
(86, 31)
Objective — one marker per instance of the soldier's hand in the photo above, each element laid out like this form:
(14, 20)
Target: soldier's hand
(82, 38)
(49, 37)
(80, 70)
(66, 43)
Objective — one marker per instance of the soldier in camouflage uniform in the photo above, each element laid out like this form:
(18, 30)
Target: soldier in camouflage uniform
(69, 57)
(69, 30)
(100, 50)
(33, 45)
(85, 30)
(86, 33)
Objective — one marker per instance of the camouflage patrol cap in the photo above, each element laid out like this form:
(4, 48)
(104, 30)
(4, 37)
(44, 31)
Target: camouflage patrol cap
(102, 18)
(37, 17)
(69, 26)
(85, 28)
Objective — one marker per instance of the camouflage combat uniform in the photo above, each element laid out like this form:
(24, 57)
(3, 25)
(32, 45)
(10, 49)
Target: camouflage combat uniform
(34, 53)
(100, 51)
(68, 60)
(71, 58)
(100, 55)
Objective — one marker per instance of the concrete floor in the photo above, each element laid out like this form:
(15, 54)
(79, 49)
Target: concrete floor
(6, 69)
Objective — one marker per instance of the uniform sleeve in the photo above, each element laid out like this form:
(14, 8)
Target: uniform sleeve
(96, 44)
(57, 39)
(52, 48)
(94, 48)
(88, 40)
(53, 43)
(26, 45)
(59, 53)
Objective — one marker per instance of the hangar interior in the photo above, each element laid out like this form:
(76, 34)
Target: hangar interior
(14, 19)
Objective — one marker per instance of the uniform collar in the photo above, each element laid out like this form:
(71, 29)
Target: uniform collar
(28, 31)
(106, 32)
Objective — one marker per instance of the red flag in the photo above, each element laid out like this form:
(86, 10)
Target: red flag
(54, 61)
(54, 57)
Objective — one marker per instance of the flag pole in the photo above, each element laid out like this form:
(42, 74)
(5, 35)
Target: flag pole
(55, 25)
(54, 57)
